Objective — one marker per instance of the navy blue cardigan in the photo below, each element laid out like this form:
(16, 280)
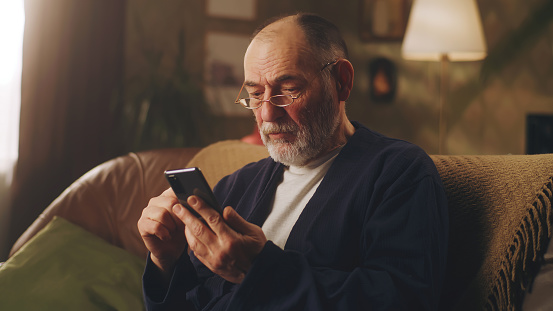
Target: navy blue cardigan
(372, 237)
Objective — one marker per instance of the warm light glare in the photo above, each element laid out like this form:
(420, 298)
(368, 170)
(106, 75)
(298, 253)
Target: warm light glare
(12, 20)
(444, 27)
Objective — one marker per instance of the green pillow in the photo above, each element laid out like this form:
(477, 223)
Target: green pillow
(65, 267)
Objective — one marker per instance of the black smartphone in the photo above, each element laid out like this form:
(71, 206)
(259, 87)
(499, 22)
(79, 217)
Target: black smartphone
(190, 181)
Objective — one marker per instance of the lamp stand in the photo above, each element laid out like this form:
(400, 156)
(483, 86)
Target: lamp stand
(442, 129)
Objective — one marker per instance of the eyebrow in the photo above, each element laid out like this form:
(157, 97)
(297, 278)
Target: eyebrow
(279, 79)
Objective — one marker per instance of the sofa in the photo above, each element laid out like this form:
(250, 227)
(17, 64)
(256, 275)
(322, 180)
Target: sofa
(500, 210)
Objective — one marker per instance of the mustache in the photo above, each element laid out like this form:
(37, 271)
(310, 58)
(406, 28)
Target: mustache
(271, 128)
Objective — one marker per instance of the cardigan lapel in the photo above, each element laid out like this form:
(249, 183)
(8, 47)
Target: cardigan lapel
(264, 200)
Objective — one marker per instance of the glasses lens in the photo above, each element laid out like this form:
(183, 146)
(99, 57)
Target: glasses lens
(254, 102)
(277, 100)
(250, 103)
(281, 100)
(244, 102)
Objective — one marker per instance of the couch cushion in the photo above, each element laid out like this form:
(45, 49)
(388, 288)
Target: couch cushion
(65, 267)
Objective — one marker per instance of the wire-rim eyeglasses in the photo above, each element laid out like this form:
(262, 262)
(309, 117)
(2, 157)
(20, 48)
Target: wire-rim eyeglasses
(280, 100)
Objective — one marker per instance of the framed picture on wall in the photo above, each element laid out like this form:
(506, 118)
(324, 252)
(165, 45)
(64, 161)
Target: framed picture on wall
(383, 80)
(383, 20)
(233, 9)
(224, 72)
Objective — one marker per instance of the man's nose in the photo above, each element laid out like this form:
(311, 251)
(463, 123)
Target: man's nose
(270, 112)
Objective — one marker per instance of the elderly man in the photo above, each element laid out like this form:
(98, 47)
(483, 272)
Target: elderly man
(337, 218)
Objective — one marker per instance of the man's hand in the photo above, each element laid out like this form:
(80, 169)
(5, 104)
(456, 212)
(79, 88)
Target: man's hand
(227, 247)
(162, 231)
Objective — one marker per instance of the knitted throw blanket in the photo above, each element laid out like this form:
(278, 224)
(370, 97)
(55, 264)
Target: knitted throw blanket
(500, 225)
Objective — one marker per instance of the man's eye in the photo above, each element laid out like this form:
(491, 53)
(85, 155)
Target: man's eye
(290, 91)
(256, 94)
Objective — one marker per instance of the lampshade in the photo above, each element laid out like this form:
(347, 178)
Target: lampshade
(444, 27)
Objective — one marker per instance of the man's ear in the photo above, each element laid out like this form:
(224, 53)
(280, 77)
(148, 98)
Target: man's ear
(344, 78)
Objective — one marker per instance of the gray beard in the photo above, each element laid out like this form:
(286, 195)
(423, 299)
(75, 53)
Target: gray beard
(312, 137)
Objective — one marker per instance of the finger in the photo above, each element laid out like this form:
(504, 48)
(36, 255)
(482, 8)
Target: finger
(169, 193)
(195, 225)
(149, 228)
(196, 245)
(211, 217)
(236, 222)
(166, 202)
(163, 223)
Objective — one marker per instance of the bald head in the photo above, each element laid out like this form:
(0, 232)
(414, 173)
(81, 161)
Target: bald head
(276, 27)
(323, 37)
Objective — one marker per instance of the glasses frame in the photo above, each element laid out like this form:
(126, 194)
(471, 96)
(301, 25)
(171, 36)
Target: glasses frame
(261, 101)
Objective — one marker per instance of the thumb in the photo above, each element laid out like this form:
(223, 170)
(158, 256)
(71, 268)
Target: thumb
(236, 221)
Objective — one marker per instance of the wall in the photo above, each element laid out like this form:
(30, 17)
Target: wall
(485, 116)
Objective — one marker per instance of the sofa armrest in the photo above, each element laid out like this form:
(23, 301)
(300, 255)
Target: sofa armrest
(108, 200)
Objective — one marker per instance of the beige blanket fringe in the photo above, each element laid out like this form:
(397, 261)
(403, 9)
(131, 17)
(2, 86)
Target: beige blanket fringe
(524, 254)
